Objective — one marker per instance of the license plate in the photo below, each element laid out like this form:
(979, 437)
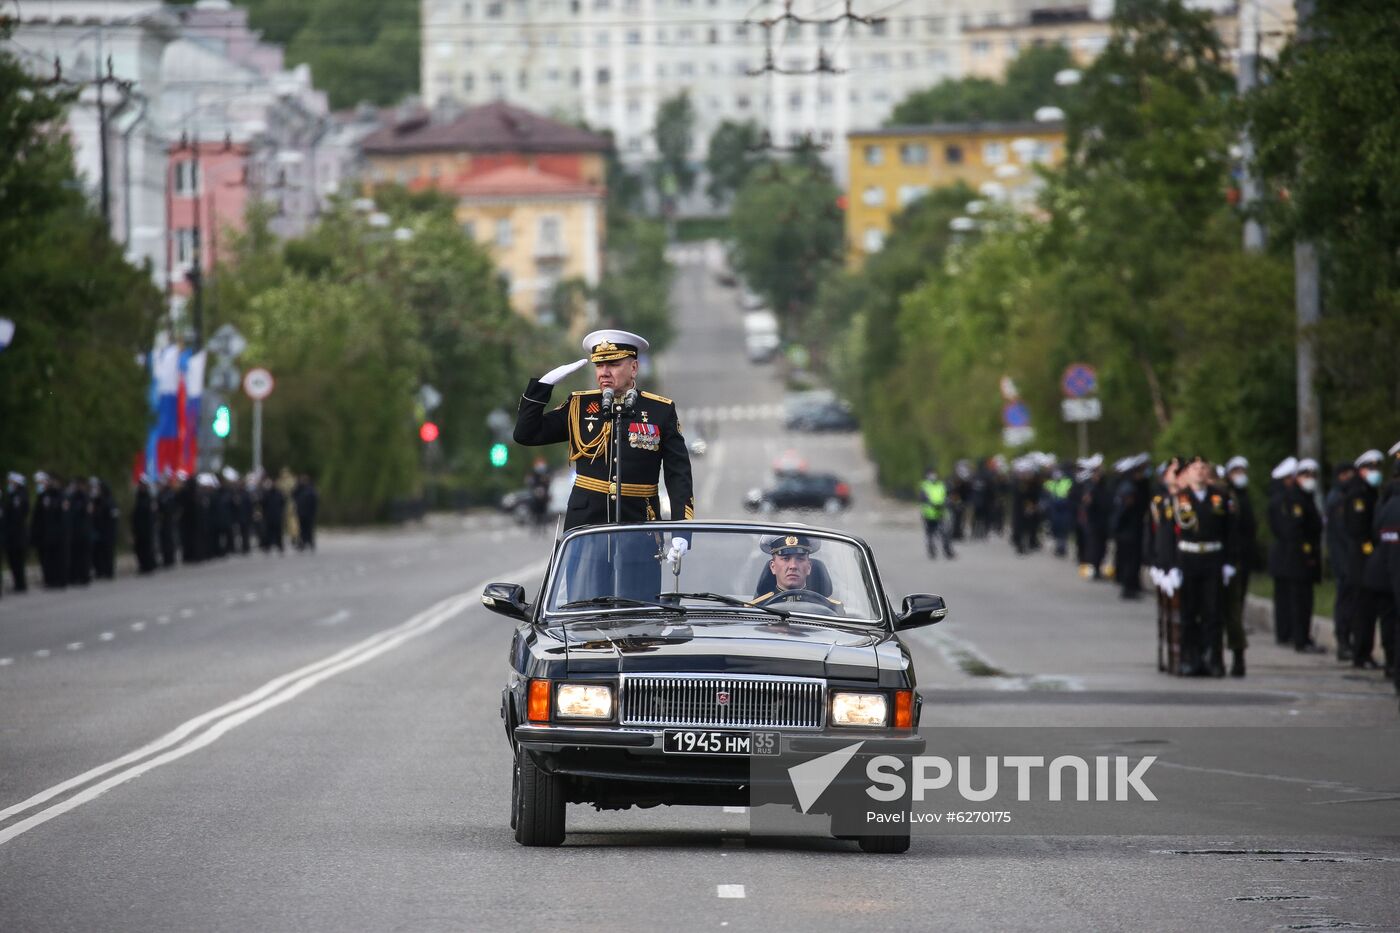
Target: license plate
(707, 742)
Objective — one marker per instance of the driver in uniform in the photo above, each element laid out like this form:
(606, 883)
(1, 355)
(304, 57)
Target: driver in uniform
(790, 562)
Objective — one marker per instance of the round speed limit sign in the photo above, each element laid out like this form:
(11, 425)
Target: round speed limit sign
(258, 384)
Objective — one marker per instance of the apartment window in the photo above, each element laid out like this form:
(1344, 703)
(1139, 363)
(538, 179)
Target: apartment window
(880, 60)
(552, 76)
(632, 6)
(1043, 152)
(936, 57)
(906, 26)
(602, 4)
(794, 30)
(953, 154)
(634, 107)
(873, 196)
(1012, 47)
(993, 153)
(522, 80)
(634, 144)
(913, 153)
(602, 39)
(496, 80)
(550, 232)
(742, 102)
(604, 76)
(741, 30)
(468, 11)
(186, 241)
(880, 28)
(824, 30)
(685, 69)
(795, 138)
(469, 229)
(576, 77)
(874, 155)
(714, 36)
(741, 66)
(505, 236)
(824, 98)
(908, 194)
(909, 60)
(874, 240)
(687, 34)
(981, 48)
(795, 101)
(551, 38)
(634, 37)
(935, 25)
(855, 97)
(494, 9)
(634, 70)
(712, 67)
(187, 177)
(661, 71)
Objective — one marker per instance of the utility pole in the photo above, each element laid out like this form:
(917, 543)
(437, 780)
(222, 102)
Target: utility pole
(1308, 287)
(100, 81)
(1247, 76)
(197, 267)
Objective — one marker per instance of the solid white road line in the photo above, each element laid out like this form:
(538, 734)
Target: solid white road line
(730, 890)
(272, 694)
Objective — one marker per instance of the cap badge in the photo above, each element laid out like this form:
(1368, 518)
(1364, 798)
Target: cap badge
(790, 541)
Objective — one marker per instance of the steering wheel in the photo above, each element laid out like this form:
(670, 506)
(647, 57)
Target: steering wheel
(803, 595)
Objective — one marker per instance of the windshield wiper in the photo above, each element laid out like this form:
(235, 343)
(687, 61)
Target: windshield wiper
(614, 602)
(730, 601)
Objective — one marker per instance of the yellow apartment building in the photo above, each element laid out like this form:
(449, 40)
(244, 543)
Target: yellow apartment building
(890, 168)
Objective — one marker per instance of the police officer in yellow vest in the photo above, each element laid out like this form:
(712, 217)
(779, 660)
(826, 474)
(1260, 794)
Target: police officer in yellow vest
(651, 438)
(934, 493)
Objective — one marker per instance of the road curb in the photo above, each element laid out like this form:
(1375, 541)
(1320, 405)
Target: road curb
(1259, 619)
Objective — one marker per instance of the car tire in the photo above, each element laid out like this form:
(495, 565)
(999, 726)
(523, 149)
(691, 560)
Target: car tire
(883, 844)
(539, 809)
(832, 505)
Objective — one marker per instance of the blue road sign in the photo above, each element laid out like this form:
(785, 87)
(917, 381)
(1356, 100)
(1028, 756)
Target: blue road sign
(1016, 415)
(1079, 380)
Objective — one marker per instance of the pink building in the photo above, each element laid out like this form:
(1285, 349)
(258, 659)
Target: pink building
(207, 193)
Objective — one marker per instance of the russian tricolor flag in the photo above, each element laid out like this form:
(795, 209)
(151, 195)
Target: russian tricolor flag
(177, 386)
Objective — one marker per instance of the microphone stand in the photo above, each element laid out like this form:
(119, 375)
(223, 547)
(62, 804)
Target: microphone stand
(614, 514)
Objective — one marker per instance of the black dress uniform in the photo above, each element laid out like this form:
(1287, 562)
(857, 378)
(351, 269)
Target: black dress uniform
(80, 554)
(1358, 508)
(651, 443)
(17, 533)
(1204, 525)
(1294, 562)
(106, 518)
(144, 517)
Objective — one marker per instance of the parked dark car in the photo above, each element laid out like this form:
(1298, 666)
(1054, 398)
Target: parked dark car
(625, 690)
(833, 415)
(793, 490)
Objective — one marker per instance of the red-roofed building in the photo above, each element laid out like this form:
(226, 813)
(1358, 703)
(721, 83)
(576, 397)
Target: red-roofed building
(528, 188)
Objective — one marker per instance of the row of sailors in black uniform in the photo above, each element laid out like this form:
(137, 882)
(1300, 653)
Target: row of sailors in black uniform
(1196, 531)
(73, 528)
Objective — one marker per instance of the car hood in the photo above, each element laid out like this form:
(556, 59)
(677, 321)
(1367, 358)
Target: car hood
(721, 645)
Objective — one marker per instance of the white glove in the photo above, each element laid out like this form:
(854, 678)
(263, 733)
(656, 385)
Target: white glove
(1228, 573)
(1173, 580)
(1155, 575)
(559, 373)
(678, 548)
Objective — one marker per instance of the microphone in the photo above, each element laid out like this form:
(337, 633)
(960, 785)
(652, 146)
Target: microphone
(629, 399)
(608, 399)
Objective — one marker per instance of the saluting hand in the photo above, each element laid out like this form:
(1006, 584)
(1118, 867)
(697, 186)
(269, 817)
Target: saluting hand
(559, 373)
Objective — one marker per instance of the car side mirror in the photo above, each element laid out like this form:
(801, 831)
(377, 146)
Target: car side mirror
(506, 598)
(921, 609)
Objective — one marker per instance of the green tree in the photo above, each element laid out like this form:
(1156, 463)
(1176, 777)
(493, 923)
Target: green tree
(72, 396)
(787, 234)
(635, 293)
(1328, 145)
(1029, 83)
(674, 132)
(734, 152)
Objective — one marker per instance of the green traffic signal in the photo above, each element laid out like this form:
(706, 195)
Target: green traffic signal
(499, 455)
(223, 421)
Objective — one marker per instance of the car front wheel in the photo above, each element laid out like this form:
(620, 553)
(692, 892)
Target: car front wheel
(538, 819)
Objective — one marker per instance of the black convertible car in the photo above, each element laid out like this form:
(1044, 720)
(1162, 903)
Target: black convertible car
(640, 680)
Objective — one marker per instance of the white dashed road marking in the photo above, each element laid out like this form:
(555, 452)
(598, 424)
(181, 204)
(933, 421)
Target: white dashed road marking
(138, 626)
(335, 618)
(730, 890)
(162, 620)
(42, 653)
(6, 661)
(106, 636)
(186, 613)
(75, 646)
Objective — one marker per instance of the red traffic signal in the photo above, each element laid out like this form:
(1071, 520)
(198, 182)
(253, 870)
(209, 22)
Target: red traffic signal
(428, 432)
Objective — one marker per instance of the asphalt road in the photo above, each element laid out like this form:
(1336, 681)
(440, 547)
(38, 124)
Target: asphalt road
(311, 742)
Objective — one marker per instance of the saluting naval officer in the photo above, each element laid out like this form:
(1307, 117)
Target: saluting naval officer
(652, 443)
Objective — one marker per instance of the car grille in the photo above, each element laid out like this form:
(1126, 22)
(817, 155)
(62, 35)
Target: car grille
(695, 700)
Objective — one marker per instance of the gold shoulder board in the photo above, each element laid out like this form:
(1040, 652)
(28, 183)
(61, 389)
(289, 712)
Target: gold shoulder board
(657, 398)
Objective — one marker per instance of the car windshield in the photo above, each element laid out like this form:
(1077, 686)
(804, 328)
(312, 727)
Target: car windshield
(786, 569)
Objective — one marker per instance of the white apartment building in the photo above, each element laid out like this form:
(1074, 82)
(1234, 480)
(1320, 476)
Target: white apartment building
(612, 62)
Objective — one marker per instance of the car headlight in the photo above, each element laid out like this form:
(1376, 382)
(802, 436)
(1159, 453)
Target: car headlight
(858, 709)
(583, 701)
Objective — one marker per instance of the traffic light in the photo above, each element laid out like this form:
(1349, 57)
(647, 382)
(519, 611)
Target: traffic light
(428, 432)
(499, 454)
(223, 421)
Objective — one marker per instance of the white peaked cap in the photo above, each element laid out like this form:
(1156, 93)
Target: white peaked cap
(1236, 463)
(1307, 465)
(1369, 457)
(1287, 467)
